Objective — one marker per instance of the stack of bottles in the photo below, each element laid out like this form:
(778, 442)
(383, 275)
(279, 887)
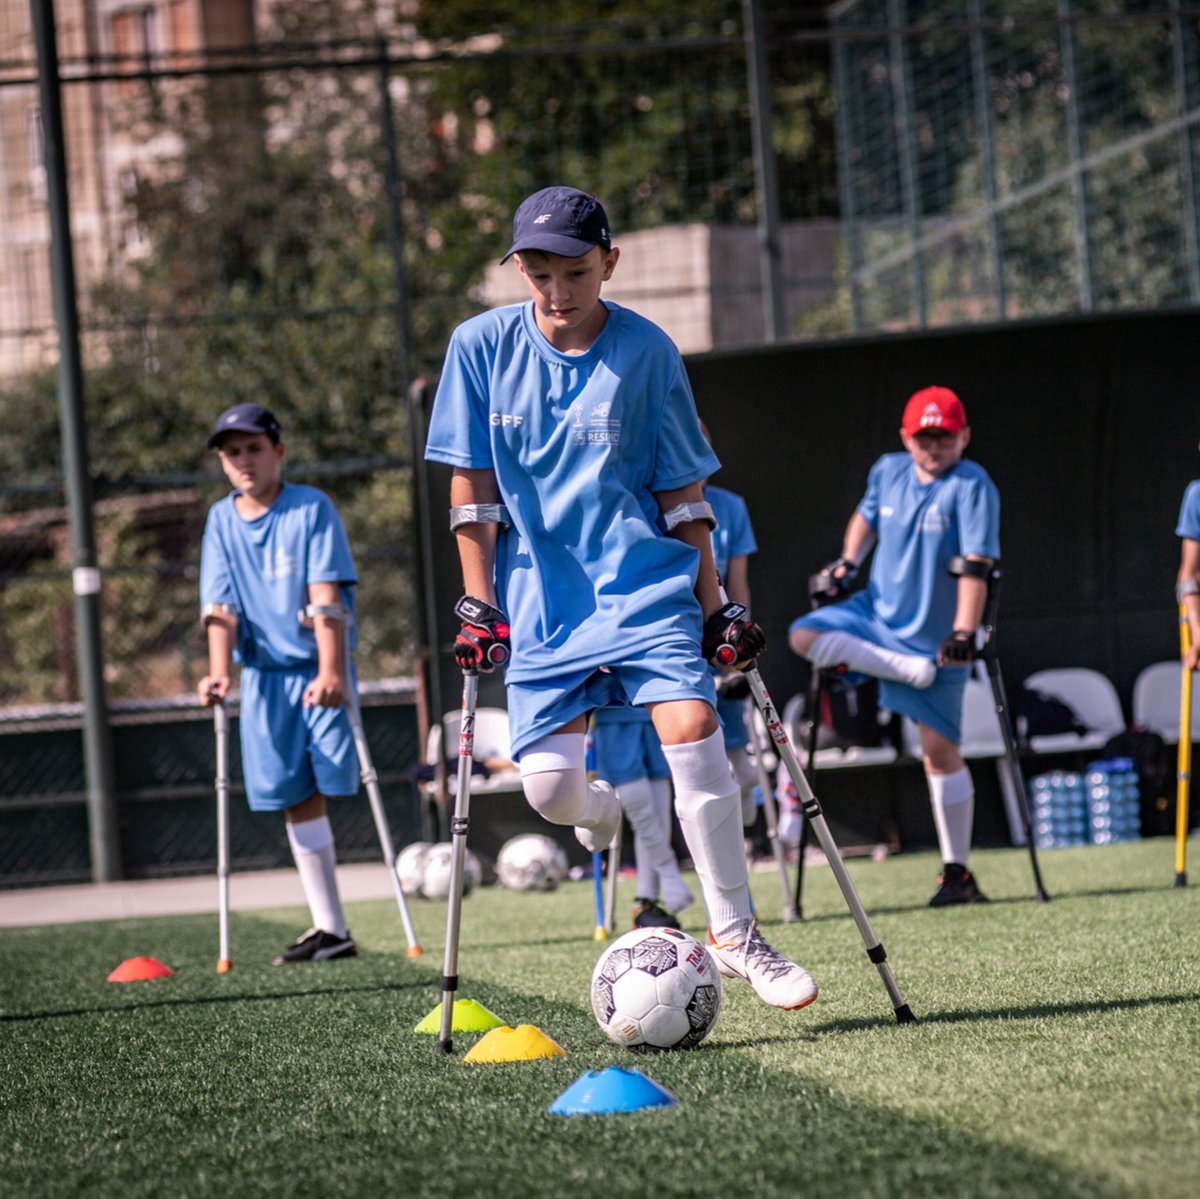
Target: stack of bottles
(1101, 806)
(1114, 801)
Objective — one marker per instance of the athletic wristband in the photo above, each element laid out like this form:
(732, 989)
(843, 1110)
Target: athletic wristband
(480, 612)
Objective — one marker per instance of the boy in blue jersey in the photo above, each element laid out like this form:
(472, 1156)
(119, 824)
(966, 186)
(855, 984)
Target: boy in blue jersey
(629, 757)
(1187, 585)
(914, 625)
(584, 541)
(270, 550)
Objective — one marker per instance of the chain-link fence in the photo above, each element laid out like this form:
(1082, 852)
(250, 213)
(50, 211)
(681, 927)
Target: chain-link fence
(294, 204)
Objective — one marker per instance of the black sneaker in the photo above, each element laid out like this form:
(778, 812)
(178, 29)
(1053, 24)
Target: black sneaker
(957, 885)
(317, 946)
(648, 914)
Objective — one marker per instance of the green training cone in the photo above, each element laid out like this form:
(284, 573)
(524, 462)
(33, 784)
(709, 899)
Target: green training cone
(468, 1016)
(521, 1044)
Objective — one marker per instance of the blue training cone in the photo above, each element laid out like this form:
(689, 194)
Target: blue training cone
(603, 1092)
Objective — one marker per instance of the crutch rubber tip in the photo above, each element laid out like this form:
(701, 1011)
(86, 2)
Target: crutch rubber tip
(904, 1015)
(1181, 880)
(414, 951)
(443, 1048)
(601, 934)
(224, 966)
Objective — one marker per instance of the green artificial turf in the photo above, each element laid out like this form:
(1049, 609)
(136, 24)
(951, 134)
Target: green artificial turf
(1057, 1052)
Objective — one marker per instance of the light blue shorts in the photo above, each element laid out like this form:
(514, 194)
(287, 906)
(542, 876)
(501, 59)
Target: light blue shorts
(732, 715)
(290, 752)
(628, 750)
(668, 671)
(938, 707)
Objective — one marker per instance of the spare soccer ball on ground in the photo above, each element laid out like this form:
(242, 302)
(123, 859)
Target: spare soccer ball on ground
(656, 988)
(410, 866)
(435, 878)
(531, 862)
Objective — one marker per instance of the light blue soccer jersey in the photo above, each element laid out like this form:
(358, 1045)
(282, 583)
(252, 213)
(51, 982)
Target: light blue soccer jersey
(1189, 513)
(733, 537)
(920, 527)
(579, 445)
(262, 568)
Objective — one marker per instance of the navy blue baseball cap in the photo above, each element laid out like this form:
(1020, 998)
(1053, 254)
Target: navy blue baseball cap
(560, 220)
(245, 418)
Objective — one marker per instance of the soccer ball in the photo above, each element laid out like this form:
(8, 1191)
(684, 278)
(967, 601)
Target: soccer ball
(410, 866)
(531, 862)
(656, 988)
(435, 878)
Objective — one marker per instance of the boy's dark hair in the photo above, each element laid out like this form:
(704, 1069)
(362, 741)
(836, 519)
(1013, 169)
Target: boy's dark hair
(245, 418)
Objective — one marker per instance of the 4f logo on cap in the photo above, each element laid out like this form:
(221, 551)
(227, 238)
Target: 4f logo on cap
(931, 417)
(541, 220)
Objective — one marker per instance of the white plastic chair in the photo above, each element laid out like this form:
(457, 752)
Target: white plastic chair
(1092, 698)
(832, 757)
(491, 741)
(1156, 695)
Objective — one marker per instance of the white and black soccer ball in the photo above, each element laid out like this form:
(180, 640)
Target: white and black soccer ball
(656, 988)
(531, 862)
(410, 866)
(435, 878)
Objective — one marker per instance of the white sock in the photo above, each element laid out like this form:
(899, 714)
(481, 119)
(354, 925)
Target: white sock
(316, 860)
(953, 800)
(746, 777)
(707, 803)
(832, 649)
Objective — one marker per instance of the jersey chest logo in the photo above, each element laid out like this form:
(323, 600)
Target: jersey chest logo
(594, 424)
(278, 564)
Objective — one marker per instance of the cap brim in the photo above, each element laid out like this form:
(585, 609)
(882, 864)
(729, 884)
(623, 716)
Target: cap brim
(214, 441)
(553, 243)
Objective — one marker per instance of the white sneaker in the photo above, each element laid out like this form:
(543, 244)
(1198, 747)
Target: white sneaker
(775, 980)
(597, 835)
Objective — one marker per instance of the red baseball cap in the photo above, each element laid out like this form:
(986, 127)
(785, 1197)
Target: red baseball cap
(934, 408)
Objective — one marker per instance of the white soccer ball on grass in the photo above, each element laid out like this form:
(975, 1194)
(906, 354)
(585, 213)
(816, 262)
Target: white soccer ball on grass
(435, 878)
(656, 988)
(410, 866)
(531, 862)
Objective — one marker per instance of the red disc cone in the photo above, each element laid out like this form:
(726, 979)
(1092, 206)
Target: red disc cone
(134, 970)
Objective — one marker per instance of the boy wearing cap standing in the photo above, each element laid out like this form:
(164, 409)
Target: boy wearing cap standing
(1187, 581)
(584, 541)
(270, 550)
(914, 625)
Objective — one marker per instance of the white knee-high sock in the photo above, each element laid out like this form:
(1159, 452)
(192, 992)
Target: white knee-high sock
(316, 860)
(953, 800)
(709, 809)
(832, 649)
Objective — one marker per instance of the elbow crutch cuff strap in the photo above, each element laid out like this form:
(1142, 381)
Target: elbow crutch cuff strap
(972, 568)
(211, 610)
(683, 514)
(479, 514)
(310, 612)
(1186, 587)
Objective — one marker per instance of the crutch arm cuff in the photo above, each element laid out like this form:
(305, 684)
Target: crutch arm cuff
(683, 514)
(479, 514)
(209, 611)
(1186, 587)
(972, 568)
(310, 612)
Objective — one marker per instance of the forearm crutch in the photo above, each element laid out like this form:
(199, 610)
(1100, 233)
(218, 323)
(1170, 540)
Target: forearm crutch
(342, 615)
(601, 931)
(812, 710)
(990, 574)
(814, 816)
(1183, 765)
(221, 734)
(459, 825)
(614, 872)
(770, 812)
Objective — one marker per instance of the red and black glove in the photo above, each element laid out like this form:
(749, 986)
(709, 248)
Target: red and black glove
(731, 638)
(958, 649)
(482, 643)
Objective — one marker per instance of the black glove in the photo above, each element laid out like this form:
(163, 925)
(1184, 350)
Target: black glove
(732, 686)
(827, 588)
(731, 638)
(482, 642)
(958, 649)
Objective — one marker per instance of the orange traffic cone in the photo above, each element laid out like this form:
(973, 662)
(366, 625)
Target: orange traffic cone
(134, 970)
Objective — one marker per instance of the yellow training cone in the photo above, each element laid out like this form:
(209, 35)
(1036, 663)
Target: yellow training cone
(468, 1016)
(521, 1044)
